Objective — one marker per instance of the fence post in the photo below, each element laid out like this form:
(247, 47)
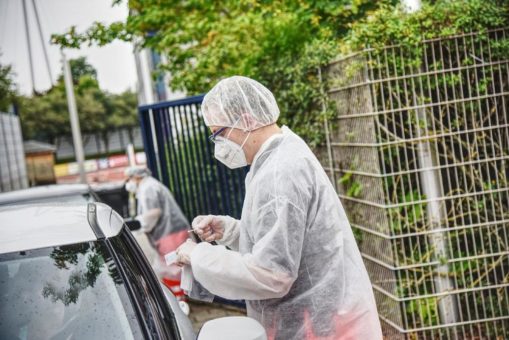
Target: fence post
(147, 137)
(432, 189)
(326, 127)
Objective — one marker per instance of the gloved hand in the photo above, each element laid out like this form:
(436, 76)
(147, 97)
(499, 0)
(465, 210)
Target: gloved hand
(209, 227)
(184, 252)
(223, 229)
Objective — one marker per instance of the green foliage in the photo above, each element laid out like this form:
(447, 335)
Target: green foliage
(81, 68)
(85, 264)
(426, 309)
(352, 187)
(46, 116)
(280, 43)
(7, 88)
(417, 70)
(393, 26)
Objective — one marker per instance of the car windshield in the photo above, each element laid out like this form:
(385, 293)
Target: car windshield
(66, 292)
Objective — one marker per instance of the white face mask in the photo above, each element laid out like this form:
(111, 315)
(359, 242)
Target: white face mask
(130, 186)
(230, 153)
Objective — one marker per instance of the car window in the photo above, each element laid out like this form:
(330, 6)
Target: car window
(67, 292)
(152, 302)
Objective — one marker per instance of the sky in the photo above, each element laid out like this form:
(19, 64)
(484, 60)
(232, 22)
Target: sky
(115, 65)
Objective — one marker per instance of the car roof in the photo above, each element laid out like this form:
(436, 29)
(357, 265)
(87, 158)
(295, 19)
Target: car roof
(43, 192)
(25, 227)
(105, 186)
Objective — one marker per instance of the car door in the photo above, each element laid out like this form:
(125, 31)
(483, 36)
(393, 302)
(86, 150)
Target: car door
(155, 314)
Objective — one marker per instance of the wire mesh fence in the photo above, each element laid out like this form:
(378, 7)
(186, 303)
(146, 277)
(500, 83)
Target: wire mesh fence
(420, 157)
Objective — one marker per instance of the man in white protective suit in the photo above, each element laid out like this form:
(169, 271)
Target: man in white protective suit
(292, 256)
(162, 222)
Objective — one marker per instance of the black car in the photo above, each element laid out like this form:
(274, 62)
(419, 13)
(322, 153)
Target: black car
(74, 271)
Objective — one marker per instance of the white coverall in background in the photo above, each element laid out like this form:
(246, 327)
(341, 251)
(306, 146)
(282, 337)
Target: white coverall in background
(162, 222)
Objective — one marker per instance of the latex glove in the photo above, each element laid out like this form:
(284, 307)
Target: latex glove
(209, 227)
(184, 252)
(223, 229)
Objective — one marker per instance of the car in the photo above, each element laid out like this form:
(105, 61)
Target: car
(50, 193)
(111, 193)
(115, 195)
(74, 271)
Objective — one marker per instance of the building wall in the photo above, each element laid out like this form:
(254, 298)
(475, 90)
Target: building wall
(94, 144)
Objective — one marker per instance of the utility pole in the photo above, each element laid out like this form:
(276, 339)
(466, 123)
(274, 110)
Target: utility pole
(131, 202)
(436, 214)
(147, 96)
(29, 45)
(75, 123)
(43, 43)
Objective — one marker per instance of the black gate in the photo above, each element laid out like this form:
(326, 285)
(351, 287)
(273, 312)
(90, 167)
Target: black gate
(180, 155)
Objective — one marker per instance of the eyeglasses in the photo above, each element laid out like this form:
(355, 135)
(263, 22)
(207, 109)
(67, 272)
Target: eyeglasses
(213, 136)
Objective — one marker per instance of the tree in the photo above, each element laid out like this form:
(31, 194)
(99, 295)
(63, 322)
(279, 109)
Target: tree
(389, 25)
(280, 43)
(80, 68)
(7, 88)
(46, 116)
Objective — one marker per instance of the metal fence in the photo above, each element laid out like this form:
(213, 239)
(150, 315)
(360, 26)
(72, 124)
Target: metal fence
(420, 153)
(13, 173)
(180, 155)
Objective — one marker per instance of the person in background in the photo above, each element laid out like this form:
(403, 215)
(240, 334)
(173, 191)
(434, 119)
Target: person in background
(160, 217)
(292, 255)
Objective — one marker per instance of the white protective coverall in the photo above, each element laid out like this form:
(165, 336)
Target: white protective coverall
(162, 221)
(293, 255)
(159, 213)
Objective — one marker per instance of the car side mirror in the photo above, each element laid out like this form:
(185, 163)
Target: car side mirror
(132, 224)
(232, 328)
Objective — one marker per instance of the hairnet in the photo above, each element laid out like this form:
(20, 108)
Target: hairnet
(240, 102)
(137, 171)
